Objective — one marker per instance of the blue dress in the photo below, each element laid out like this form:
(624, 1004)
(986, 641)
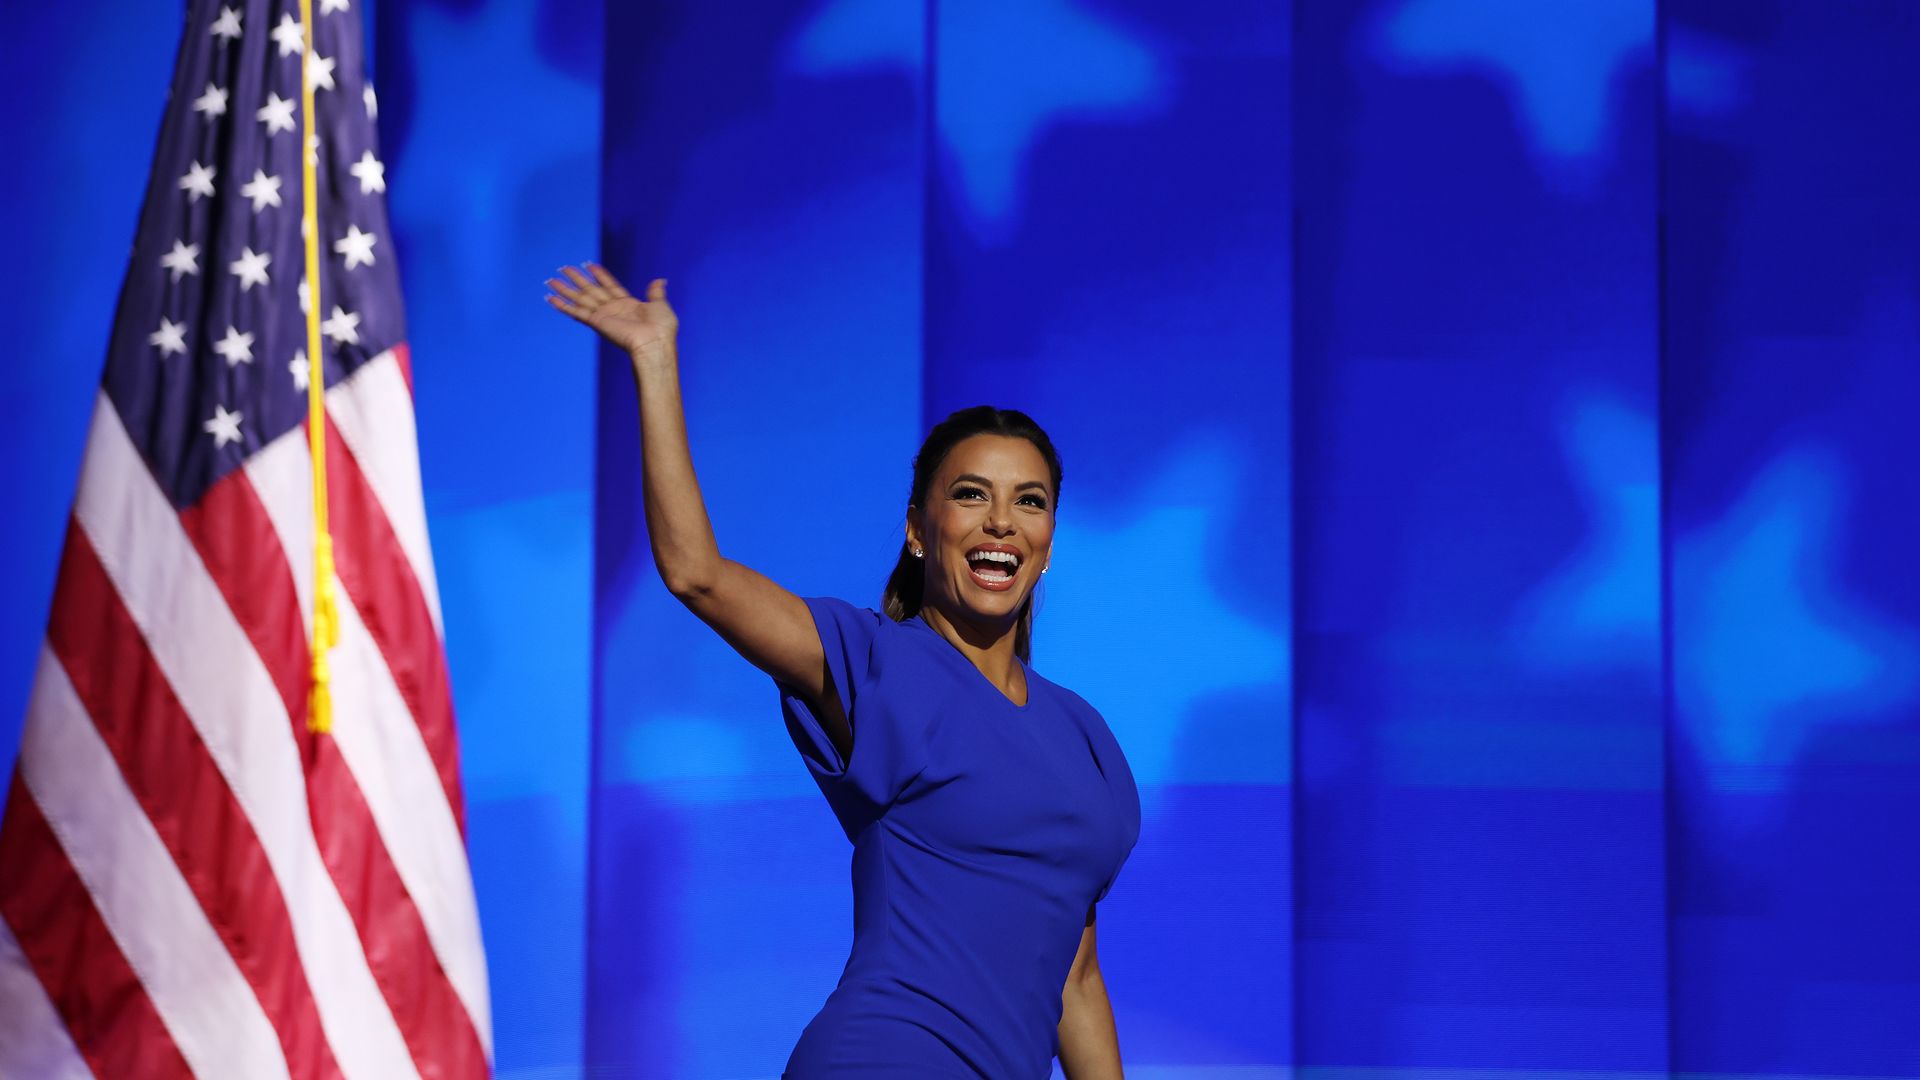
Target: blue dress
(982, 831)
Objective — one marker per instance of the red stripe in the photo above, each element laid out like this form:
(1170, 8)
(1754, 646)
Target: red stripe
(236, 540)
(403, 358)
(374, 569)
(173, 775)
(432, 1019)
(92, 986)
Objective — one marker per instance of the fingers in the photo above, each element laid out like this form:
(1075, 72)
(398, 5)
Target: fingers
(577, 312)
(561, 287)
(607, 280)
(592, 292)
(578, 295)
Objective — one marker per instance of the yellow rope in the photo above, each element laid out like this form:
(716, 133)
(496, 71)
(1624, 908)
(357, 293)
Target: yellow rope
(326, 619)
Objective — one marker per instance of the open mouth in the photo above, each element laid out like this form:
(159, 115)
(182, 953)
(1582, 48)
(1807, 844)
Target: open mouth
(993, 569)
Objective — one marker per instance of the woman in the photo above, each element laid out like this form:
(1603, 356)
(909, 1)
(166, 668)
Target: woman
(989, 808)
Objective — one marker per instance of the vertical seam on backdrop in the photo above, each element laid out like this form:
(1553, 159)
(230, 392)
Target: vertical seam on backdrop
(1663, 530)
(929, 177)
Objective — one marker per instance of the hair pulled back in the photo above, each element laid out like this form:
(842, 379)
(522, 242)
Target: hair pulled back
(906, 586)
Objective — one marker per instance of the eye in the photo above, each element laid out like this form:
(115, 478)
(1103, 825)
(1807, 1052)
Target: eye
(1037, 501)
(958, 492)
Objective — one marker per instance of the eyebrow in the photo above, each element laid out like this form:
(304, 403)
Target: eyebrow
(983, 480)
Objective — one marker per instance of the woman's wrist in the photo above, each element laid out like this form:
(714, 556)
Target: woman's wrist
(653, 358)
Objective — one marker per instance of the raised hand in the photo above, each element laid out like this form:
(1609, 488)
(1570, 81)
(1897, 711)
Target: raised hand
(646, 329)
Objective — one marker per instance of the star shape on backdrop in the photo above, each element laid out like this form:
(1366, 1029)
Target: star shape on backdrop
(264, 190)
(1040, 63)
(236, 348)
(453, 196)
(1094, 582)
(224, 426)
(1558, 64)
(1601, 606)
(1774, 648)
(356, 247)
(170, 339)
(1705, 75)
(212, 103)
(250, 268)
(328, 7)
(299, 368)
(183, 259)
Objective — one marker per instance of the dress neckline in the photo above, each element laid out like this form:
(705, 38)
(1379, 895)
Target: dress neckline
(1025, 670)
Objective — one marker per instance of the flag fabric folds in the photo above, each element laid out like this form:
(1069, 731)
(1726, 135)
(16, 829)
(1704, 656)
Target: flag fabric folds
(192, 883)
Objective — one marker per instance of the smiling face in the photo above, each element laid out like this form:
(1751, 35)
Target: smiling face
(986, 528)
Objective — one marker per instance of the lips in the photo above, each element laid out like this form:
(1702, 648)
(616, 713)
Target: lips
(994, 566)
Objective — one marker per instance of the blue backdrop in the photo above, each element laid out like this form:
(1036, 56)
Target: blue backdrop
(1486, 518)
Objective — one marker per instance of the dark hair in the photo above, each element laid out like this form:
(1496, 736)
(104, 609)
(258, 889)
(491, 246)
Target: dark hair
(903, 597)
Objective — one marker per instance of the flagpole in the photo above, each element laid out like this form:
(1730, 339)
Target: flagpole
(326, 626)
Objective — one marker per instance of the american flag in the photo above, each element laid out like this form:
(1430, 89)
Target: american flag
(191, 881)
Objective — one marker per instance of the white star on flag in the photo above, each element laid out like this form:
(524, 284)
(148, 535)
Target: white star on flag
(289, 36)
(250, 268)
(299, 366)
(213, 102)
(198, 181)
(236, 348)
(227, 26)
(328, 7)
(304, 294)
(357, 246)
(224, 427)
(320, 73)
(373, 106)
(171, 338)
(182, 259)
(370, 172)
(277, 114)
(342, 326)
(313, 150)
(264, 190)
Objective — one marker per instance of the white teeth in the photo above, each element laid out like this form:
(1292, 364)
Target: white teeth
(1007, 557)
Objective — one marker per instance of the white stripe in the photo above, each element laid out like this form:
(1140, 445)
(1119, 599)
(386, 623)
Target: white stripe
(225, 688)
(382, 746)
(374, 411)
(146, 904)
(281, 475)
(383, 749)
(34, 1041)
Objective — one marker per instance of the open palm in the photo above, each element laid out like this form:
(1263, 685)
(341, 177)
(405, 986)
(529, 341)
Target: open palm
(641, 327)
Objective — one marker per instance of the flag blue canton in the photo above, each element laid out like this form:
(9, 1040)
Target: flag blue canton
(207, 362)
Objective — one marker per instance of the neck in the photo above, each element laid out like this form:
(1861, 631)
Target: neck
(989, 647)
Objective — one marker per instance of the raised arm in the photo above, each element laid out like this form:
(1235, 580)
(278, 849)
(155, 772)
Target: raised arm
(764, 623)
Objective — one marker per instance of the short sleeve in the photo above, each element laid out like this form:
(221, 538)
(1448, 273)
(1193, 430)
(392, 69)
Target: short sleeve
(1115, 876)
(1121, 785)
(888, 727)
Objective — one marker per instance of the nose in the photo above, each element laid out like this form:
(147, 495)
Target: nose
(998, 524)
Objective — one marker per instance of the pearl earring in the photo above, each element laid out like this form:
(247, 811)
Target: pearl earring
(918, 554)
